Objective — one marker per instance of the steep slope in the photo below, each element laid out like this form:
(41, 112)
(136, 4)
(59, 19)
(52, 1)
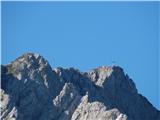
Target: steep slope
(31, 90)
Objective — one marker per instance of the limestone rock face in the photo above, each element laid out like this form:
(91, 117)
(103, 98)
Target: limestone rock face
(96, 111)
(32, 90)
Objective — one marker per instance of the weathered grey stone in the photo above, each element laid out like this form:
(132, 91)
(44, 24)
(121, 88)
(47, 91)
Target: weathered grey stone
(66, 102)
(96, 111)
(31, 90)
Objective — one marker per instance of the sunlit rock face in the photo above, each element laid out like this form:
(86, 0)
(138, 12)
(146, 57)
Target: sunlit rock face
(32, 90)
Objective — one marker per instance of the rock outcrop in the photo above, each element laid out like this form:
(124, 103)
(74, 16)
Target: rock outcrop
(32, 90)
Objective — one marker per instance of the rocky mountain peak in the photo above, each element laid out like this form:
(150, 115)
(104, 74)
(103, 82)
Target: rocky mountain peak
(30, 57)
(32, 90)
(27, 64)
(29, 60)
(100, 74)
(112, 77)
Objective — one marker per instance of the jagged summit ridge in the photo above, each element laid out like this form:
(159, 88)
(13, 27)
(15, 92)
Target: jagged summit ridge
(32, 90)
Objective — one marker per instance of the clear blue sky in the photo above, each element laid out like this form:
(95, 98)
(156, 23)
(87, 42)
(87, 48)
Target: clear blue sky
(86, 35)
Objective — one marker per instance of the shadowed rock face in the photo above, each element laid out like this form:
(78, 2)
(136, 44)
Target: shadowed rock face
(31, 90)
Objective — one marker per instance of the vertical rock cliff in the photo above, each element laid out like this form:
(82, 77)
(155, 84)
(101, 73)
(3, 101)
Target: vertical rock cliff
(32, 90)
